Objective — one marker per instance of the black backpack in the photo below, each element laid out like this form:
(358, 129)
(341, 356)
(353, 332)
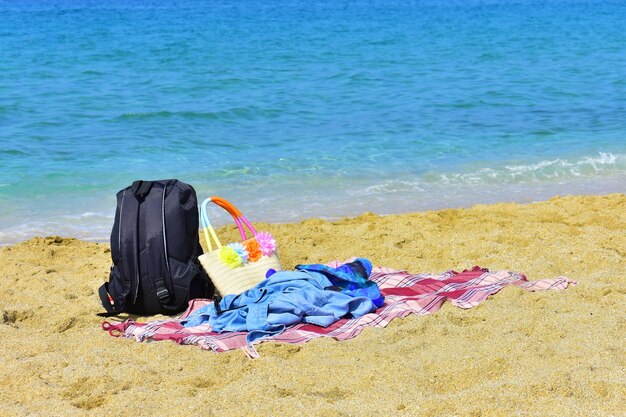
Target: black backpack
(155, 249)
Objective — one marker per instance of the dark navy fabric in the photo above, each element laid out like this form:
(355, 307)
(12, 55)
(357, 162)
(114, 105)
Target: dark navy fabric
(351, 278)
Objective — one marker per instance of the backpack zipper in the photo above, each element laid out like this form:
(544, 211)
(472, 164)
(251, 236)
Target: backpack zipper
(167, 261)
(135, 285)
(119, 222)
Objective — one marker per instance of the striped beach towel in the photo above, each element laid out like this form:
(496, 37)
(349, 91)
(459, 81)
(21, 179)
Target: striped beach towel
(404, 294)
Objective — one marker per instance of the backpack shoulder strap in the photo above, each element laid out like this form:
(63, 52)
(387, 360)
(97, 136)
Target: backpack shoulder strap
(140, 188)
(158, 262)
(129, 236)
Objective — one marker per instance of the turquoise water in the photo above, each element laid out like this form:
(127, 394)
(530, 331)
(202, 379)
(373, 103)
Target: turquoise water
(296, 109)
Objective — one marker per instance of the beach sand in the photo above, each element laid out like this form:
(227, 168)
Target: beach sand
(519, 353)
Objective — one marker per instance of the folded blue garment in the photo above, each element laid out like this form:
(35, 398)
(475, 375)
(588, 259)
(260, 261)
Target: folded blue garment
(283, 299)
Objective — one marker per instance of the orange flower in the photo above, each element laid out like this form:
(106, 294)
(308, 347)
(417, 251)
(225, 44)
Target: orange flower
(254, 250)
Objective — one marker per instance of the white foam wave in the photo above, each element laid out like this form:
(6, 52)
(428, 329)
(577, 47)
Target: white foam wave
(88, 215)
(549, 170)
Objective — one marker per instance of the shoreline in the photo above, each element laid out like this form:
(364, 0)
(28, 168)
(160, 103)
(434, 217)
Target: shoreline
(561, 349)
(96, 226)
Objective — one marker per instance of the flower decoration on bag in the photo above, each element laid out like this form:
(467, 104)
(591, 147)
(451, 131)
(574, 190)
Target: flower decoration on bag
(266, 242)
(241, 251)
(229, 256)
(237, 254)
(254, 250)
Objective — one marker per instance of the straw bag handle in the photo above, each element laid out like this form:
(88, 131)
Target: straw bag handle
(207, 227)
(234, 212)
(237, 215)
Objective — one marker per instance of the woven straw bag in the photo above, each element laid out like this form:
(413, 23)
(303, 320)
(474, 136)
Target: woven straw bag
(237, 267)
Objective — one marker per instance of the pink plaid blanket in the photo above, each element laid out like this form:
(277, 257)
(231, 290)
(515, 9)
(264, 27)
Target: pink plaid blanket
(404, 294)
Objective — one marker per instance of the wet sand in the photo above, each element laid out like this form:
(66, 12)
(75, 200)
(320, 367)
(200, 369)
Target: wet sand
(519, 353)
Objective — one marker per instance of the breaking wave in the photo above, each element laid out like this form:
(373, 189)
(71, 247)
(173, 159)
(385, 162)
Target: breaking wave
(604, 164)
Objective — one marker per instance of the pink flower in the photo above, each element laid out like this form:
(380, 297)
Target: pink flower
(266, 242)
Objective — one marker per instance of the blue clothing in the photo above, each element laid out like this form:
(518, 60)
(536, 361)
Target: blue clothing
(283, 299)
(351, 278)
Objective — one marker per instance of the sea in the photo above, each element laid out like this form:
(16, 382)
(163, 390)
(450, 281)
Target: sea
(294, 109)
